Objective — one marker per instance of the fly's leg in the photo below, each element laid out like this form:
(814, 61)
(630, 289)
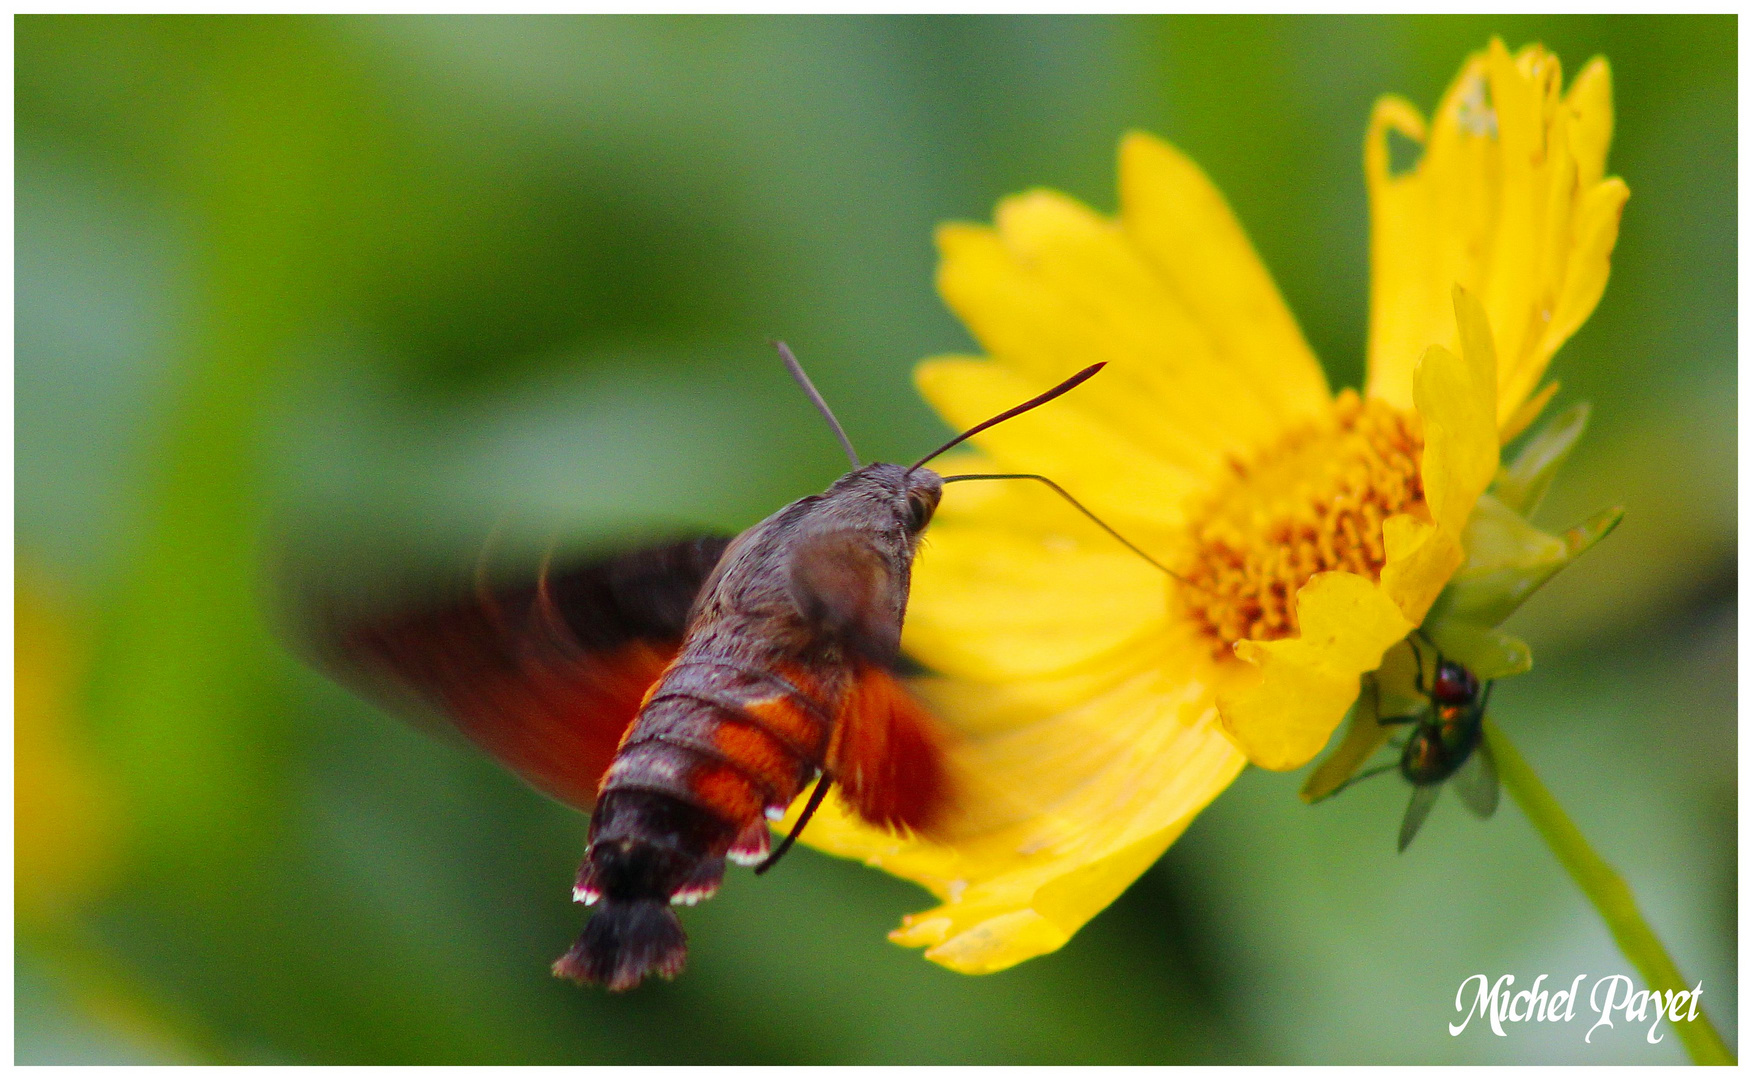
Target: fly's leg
(1376, 771)
(1418, 681)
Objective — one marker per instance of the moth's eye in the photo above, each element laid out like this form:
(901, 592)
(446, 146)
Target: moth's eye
(918, 513)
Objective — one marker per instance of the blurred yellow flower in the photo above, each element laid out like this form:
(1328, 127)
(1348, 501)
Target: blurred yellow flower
(1103, 705)
(63, 827)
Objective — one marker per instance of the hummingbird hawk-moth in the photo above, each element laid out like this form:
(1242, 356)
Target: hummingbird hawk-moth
(684, 695)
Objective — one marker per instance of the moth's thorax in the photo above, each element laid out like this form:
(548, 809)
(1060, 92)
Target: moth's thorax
(750, 597)
(774, 644)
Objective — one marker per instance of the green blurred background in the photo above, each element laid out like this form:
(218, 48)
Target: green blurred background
(402, 276)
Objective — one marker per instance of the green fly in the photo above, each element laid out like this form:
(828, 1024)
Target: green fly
(1446, 742)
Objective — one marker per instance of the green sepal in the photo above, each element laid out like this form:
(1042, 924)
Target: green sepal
(1507, 560)
(1361, 739)
(1396, 682)
(1490, 653)
(1387, 691)
(1521, 485)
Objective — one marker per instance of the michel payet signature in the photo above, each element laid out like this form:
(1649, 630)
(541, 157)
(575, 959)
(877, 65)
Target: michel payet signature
(1610, 995)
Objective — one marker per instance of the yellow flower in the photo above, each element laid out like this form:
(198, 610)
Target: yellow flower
(1100, 705)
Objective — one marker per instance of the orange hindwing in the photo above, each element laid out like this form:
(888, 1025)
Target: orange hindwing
(888, 755)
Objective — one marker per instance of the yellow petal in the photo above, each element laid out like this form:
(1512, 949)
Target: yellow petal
(1116, 299)
(1012, 582)
(1183, 226)
(1421, 557)
(1041, 331)
(1590, 99)
(1100, 783)
(1509, 200)
(1456, 400)
(1411, 248)
(1092, 459)
(1590, 262)
(1056, 286)
(1283, 713)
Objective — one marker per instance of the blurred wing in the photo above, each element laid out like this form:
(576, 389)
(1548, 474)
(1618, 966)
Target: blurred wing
(888, 755)
(1422, 799)
(545, 677)
(1476, 782)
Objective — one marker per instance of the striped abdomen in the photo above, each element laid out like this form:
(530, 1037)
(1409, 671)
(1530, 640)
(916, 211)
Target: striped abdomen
(718, 748)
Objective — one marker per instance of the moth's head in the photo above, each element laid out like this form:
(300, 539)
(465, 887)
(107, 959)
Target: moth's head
(908, 496)
(923, 490)
(905, 498)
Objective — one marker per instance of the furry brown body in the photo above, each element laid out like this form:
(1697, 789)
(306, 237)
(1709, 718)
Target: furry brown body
(779, 678)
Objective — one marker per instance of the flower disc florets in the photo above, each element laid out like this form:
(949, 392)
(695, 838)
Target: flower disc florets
(1314, 502)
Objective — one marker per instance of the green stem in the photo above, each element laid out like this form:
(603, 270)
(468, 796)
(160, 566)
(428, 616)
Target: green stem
(1604, 889)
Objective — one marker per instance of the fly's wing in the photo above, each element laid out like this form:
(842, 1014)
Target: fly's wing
(1476, 782)
(888, 755)
(1422, 800)
(545, 677)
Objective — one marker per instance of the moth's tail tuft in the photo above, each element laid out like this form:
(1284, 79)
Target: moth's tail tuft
(625, 941)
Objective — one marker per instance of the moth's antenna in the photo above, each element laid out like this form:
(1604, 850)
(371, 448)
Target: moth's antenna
(796, 371)
(1032, 403)
(1088, 513)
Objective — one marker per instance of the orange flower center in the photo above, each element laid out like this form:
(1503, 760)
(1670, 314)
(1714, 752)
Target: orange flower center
(1313, 502)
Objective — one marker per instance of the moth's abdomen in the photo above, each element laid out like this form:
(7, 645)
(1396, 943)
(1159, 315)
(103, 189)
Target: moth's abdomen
(713, 750)
(645, 848)
(733, 758)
